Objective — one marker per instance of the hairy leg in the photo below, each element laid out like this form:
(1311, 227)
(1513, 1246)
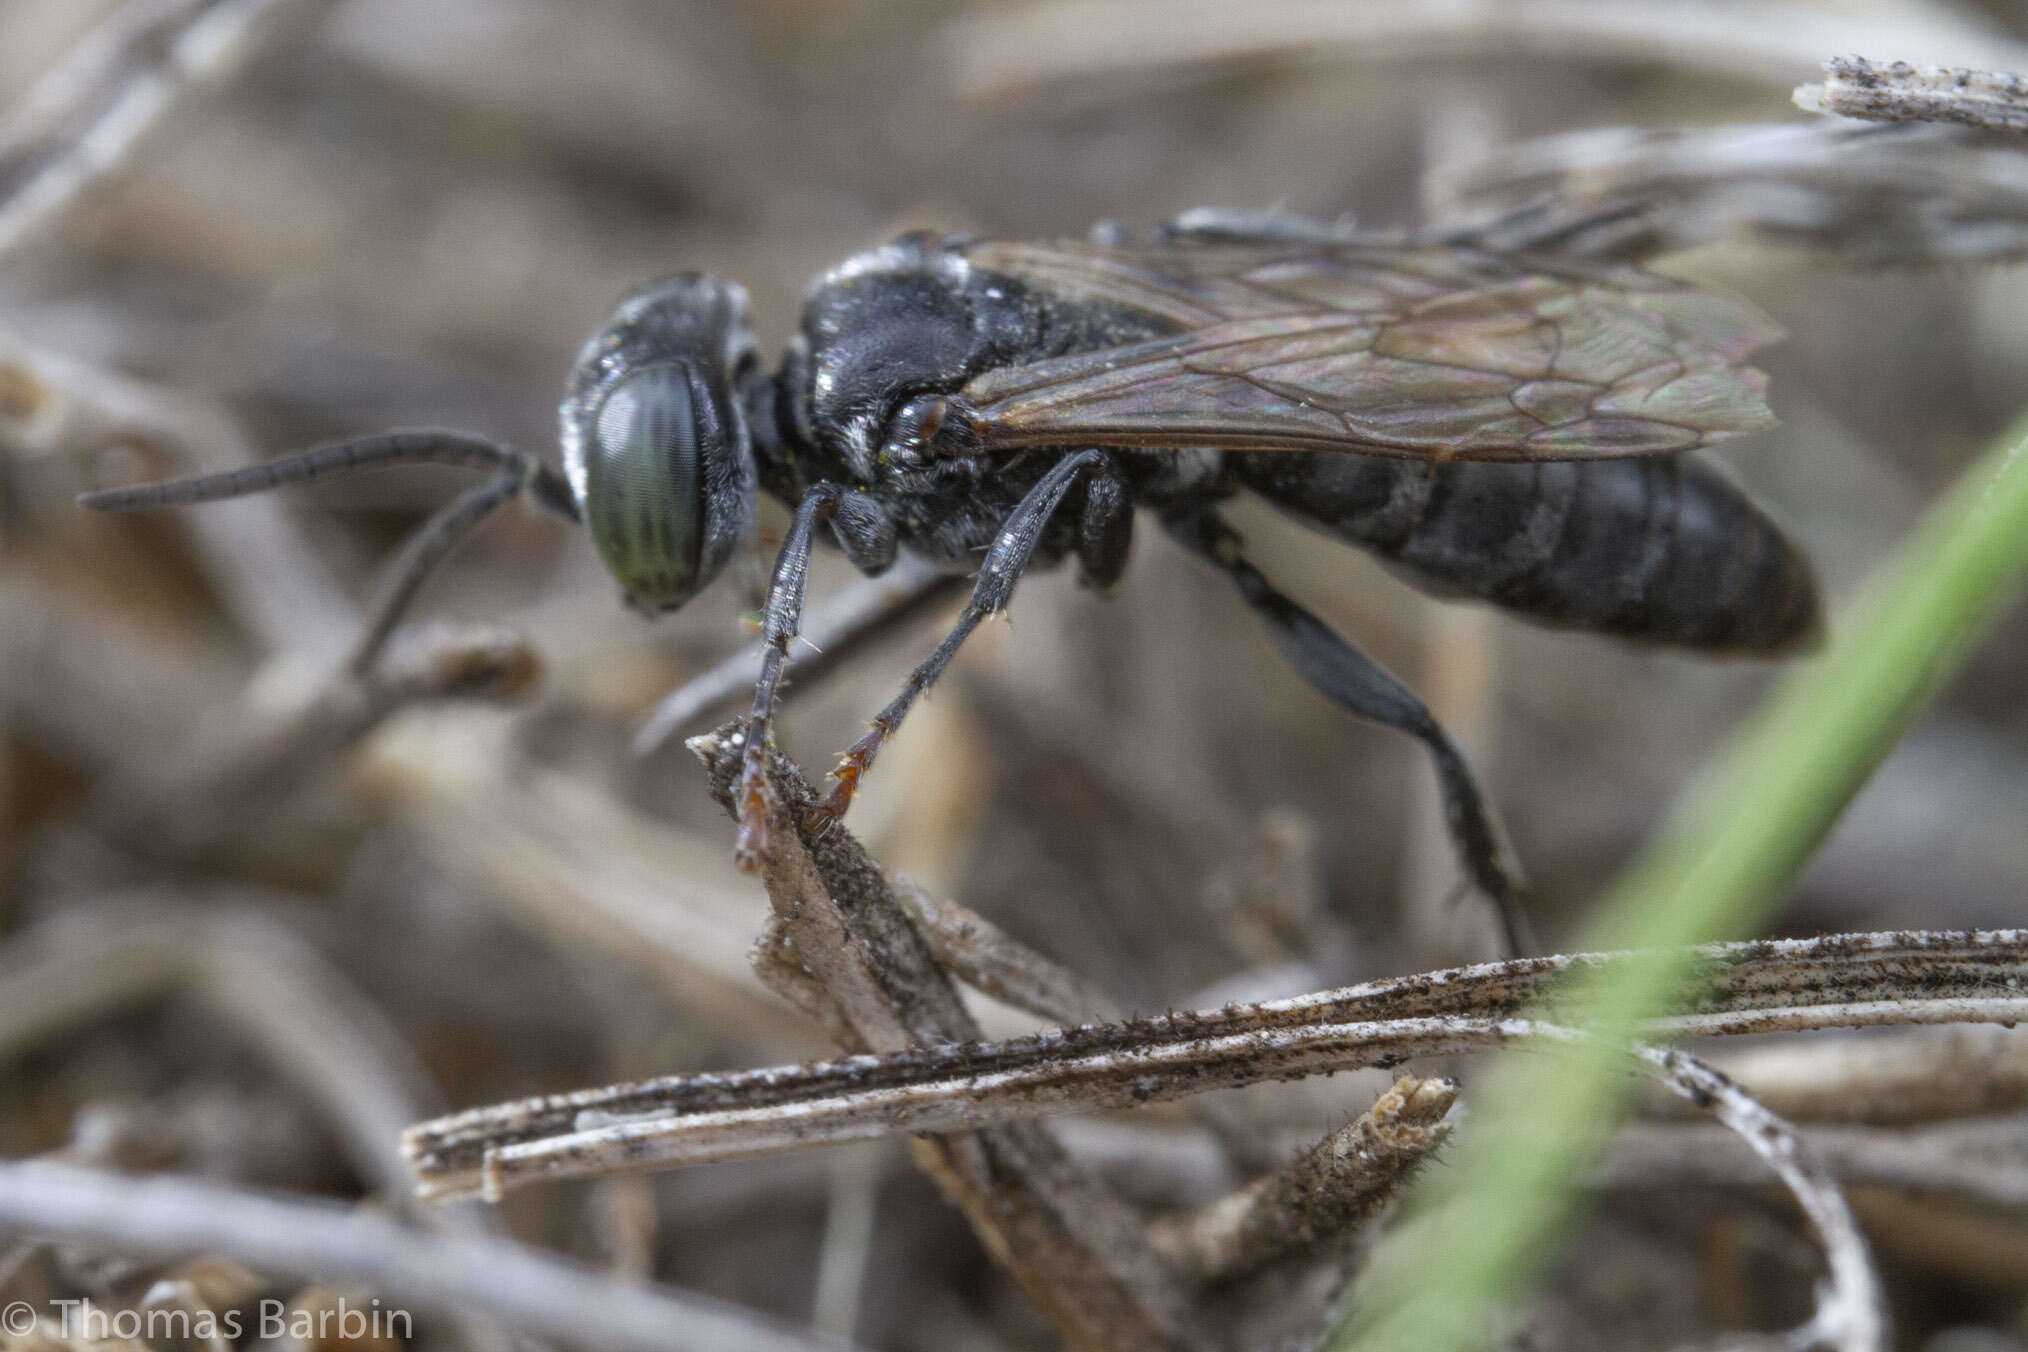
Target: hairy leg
(1005, 562)
(867, 535)
(1353, 681)
(856, 617)
(780, 621)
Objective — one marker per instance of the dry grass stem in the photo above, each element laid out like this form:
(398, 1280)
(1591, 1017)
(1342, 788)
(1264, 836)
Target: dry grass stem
(571, 861)
(267, 580)
(93, 110)
(1898, 92)
(1980, 1162)
(1851, 1313)
(849, 1215)
(310, 1023)
(1905, 977)
(1081, 1254)
(988, 959)
(1092, 44)
(1879, 196)
(1338, 1183)
(779, 965)
(1887, 1078)
(991, 961)
(252, 765)
(314, 1240)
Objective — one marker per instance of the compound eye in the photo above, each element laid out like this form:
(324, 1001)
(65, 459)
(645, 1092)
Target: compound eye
(642, 485)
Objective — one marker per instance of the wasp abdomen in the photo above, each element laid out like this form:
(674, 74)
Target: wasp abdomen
(1659, 549)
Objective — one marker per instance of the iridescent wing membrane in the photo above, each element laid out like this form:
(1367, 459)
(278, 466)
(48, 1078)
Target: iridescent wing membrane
(1422, 352)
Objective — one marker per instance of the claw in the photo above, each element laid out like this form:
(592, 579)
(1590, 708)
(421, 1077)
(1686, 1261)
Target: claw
(847, 777)
(746, 854)
(852, 768)
(753, 840)
(756, 800)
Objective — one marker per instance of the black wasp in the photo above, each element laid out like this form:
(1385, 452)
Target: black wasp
(1494, 424)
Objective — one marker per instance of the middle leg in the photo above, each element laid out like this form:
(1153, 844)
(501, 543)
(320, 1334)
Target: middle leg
(1102, 540)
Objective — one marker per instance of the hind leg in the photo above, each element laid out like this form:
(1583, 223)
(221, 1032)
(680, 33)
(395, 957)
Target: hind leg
(1353, 681)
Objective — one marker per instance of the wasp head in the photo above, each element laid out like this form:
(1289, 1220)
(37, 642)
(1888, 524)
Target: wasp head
(655, 439)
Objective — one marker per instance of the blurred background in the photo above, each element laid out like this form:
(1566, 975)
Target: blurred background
(380, 213)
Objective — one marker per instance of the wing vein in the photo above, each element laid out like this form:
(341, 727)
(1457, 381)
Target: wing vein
(1420, 351)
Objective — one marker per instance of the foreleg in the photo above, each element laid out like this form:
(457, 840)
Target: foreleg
(780, 621)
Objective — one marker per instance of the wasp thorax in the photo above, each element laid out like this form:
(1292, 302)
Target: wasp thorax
(655, 441)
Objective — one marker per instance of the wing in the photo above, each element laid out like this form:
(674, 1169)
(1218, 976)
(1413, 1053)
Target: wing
(1419, 351)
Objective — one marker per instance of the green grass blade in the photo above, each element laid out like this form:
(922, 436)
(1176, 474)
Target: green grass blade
(1480, 1232)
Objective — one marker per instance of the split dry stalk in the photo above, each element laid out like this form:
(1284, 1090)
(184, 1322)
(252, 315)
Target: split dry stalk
(452, 1275)
(995, 963)
(779, 965)
(1898, 92)
(1081, 1254)
(1905, 977)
